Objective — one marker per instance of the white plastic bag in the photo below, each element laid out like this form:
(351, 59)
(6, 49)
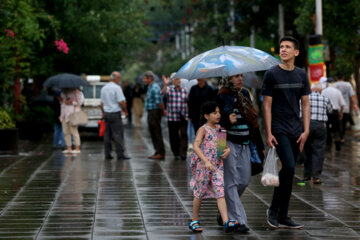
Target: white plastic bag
(270, 174)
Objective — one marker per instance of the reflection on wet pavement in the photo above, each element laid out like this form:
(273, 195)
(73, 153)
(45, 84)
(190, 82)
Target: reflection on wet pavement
(47, 195)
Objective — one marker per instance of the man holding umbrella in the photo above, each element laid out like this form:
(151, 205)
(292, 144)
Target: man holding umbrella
(284, 85)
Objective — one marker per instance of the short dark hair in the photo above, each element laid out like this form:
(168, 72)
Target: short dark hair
(149, 74)
(339, 75)
(207, 108)
(290, 39)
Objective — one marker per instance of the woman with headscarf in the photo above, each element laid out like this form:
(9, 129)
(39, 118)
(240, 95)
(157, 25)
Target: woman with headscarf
(239, 118)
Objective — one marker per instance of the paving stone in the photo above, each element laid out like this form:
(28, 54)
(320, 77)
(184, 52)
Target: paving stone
(53, 196)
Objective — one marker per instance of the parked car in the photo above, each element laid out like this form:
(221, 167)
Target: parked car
(91, 103)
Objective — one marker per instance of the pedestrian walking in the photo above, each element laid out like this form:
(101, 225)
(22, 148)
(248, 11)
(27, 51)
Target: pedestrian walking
(349, 96)
(128, 93)
(71, 100)
(177, 116)
(240, 121)
(334, 118)
(199, 94)
(284, 85)
(155, 109)
(138, 106)
(58, 140)
(207, 168)
(112, 103)
(315, 145)
(190, 128)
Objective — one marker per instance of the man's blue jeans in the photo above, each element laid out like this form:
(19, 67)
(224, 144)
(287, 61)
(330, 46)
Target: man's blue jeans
(58, 136)
(288, 151)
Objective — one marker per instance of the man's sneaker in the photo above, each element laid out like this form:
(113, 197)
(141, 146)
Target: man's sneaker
(288, 223)
(272, 218)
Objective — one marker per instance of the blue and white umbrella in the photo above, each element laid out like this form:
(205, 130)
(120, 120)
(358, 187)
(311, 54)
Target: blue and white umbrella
(226, 61)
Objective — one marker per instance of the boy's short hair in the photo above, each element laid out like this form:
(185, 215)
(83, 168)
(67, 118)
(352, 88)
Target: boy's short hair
(290, 39)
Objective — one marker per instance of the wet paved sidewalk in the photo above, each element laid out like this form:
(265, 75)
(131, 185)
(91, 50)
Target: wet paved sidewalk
(46, 195)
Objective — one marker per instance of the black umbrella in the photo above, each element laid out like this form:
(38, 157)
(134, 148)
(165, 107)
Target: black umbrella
(65, 80)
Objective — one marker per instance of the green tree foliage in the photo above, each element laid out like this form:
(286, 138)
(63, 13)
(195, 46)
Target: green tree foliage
(101, 34)
(341, 23)
(20, 36)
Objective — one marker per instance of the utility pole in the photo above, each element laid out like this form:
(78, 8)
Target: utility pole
(281, 21)
(232, 19)
(319, 27)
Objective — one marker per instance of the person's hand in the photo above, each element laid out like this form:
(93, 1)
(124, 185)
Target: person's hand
(341, 116)
(165, 113)
(209, 166)
(166, 80)
(232, 118)
(302, 140)
(226, 153)
(126, 114)
(356, 109)
(271, 141)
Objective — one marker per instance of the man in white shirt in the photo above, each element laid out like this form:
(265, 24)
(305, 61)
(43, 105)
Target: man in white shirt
(338, 103)
(112, 102)
(348, 94)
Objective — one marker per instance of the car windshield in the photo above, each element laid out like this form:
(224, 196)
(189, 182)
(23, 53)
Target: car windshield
(88, 91)
(98, 90)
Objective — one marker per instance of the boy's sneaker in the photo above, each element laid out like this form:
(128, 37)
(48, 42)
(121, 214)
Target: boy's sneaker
(272, 218)
(288, 223)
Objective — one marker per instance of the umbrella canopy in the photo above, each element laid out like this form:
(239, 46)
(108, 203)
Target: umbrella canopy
(226, 61)
(65, 80)
(251, 80)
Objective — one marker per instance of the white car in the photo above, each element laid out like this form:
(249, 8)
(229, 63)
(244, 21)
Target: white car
(91, 104)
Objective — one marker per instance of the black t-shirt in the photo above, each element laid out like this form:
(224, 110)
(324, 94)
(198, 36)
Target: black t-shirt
(197, 97)
(286, 89)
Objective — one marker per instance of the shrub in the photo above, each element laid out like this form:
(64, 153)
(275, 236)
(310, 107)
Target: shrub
(5, 120)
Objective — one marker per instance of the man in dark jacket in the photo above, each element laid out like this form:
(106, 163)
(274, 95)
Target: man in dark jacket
(199, 94)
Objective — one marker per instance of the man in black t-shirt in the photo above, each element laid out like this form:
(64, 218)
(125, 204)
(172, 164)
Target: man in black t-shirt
(199, 94)
(284, 85)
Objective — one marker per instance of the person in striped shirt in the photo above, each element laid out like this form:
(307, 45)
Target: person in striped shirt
(315, 145)
(177, 116)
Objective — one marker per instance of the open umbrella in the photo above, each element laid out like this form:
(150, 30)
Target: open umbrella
(65, 80)
(251, 80)
(226, 61)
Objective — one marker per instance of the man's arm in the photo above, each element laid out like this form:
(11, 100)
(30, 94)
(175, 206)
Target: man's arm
(270, 139)
(123, 106)
(166, 83)
(354, 103)
(305, 107)
(102, 110)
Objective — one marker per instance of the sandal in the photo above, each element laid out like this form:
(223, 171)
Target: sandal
(231, 225)
(194, 226)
